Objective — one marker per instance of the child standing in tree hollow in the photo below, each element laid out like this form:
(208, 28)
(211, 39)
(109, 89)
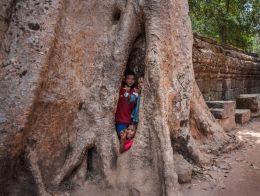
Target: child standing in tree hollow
(125, 104)
(127, 137)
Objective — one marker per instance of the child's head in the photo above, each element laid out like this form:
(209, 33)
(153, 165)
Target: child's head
(130, 79)
(130, 131)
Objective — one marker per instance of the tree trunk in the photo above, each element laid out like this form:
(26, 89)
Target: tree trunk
(61, 67)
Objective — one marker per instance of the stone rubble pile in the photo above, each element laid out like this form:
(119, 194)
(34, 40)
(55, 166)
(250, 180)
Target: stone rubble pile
(230, 113)
(224, 112)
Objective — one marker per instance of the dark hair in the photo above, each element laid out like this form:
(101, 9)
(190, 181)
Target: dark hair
(129, 73)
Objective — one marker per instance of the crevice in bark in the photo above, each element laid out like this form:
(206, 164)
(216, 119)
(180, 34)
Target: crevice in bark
(88, 168)
(10, 10)
(22, 180)
(180, 145)
(116, 15)
(136, 60)
(93, 164)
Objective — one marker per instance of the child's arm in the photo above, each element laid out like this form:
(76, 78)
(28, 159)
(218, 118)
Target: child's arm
(122, 147)
(133, 96)
(122, 142)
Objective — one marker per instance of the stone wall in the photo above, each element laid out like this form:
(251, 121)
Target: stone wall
(224, 72)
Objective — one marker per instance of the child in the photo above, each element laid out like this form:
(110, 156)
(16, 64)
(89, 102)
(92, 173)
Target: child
(127, 136)
(125, 104)
(135, 113)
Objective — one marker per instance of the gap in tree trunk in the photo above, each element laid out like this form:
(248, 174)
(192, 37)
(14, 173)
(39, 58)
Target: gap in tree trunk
(180, 145)
(93, 165)
(136, 60)
(116, 15)
(21, 181)
(89, 170)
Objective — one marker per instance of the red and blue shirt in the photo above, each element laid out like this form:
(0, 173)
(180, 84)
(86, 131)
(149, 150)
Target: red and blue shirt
(124, 106)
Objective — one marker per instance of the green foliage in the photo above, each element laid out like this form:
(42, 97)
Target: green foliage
(256, 44)
(235, 22)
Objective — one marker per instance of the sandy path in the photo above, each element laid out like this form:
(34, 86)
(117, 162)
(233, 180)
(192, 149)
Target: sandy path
(236, 173)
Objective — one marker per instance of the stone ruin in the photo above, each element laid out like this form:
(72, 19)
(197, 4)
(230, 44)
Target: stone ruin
(229, 80)
(224, 72)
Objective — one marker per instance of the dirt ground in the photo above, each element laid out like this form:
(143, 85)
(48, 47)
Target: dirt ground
(236, 173)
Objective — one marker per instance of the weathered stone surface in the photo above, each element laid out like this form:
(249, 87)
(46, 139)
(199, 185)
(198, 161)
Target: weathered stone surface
(224, 112)
(228, 123)
(249, 101)
(218, 113)
(223, 72)
(222, 109)
(242, 116)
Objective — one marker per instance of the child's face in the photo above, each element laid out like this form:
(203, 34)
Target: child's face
(130, 131)
(130, 80)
